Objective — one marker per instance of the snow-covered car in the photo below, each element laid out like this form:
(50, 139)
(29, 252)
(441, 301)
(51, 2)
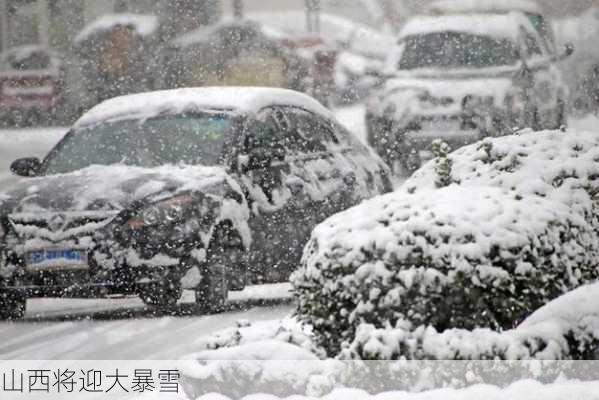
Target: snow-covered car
(461, 77)
(202, 189)
(232, 52)
(360, 50)
(31, 84)
(114, 53)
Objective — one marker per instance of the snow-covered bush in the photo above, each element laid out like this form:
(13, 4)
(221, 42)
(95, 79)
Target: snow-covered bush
(556, 165)
(567, 328)
(280, 358)
(515, 229)
(552, 340)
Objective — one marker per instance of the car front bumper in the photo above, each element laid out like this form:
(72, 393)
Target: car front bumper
(110, 267)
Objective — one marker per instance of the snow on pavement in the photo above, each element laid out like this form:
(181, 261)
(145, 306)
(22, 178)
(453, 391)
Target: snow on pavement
(124, 329)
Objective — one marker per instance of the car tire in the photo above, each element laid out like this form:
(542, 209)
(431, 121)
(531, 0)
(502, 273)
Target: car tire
(161, 295)
(212, 292)
(12, 307)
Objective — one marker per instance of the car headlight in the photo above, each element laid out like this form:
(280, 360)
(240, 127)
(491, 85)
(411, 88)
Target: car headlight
(165, 211)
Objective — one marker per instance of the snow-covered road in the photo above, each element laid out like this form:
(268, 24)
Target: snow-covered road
(125, 329)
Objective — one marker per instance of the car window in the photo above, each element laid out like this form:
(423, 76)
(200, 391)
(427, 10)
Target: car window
(263, 132)
(277, 131)
(169, 139)
(311, 133)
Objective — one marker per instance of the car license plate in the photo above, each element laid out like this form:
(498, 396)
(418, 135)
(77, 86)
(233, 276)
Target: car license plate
(56, 260)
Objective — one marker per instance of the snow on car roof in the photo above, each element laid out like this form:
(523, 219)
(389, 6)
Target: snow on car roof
(504, 26)
(203, 34)
(469, 6)
(234, 99)
(143, 24)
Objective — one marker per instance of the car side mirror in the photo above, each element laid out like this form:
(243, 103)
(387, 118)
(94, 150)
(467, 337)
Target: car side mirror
(27, 167)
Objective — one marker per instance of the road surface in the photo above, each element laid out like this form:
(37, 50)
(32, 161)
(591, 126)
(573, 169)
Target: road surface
(124, 329)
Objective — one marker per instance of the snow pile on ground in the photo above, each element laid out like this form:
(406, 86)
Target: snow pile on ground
(256, 359)
(523, 390)
(514, 229)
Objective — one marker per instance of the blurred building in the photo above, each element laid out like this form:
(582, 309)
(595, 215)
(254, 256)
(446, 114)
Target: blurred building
(55, 23)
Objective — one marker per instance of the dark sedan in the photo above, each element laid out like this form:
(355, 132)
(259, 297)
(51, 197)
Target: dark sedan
(204, 189)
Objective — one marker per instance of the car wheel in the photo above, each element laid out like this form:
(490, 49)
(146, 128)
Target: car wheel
(161, 295)
(12, 307)
(212, 293)
(225, 257)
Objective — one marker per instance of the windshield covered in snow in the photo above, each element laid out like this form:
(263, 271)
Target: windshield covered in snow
(171, 139)
(456, 50)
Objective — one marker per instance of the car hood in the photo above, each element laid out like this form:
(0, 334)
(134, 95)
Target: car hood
(112, 188)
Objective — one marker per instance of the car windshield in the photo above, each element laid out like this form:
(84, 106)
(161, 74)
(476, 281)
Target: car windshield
(456, 50)
(170, 139)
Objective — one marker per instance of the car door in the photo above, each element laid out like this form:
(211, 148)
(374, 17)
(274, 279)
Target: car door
(316, 163)
(371, 176)
(282, 194)
(347, 171)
